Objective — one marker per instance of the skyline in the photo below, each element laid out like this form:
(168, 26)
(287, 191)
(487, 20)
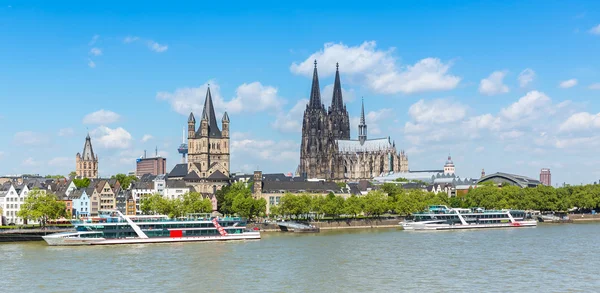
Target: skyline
(507, 87)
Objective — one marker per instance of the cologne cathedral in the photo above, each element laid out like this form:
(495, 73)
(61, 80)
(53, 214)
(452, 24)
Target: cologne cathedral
(327, 152)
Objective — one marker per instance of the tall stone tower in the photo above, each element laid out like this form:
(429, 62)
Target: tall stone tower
(338, 119)
(208, 150)
(314, 134)
(86, 163)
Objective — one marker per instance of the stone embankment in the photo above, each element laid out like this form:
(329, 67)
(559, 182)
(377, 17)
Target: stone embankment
(338, 224)
(584, 217)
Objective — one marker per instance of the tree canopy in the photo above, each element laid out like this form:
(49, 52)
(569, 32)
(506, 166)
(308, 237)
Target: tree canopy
(189, 203)
(42, 206)
(124, 180)
(82, 183)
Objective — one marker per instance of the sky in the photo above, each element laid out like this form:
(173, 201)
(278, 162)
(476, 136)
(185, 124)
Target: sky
(504, 86)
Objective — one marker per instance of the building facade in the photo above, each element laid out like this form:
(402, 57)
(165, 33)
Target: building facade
(208, 151)
(327, 152)
(86, 163)
(546, 177)
(154, 166)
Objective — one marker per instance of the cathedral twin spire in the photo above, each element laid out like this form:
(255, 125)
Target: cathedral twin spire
(337, 101)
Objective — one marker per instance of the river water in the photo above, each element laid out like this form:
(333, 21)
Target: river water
(548, 258)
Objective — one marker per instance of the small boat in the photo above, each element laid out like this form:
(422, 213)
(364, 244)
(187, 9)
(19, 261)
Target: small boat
(116, 228)
(440, 217)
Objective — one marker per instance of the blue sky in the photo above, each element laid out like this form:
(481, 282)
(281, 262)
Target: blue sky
(506, 86)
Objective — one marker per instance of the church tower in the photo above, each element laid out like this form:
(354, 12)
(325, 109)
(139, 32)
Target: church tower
(362, 127)
(338, 118)
(86, 163)
(208, 150)
(314, 134)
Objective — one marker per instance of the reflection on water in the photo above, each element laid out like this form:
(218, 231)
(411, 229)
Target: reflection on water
(553, 258)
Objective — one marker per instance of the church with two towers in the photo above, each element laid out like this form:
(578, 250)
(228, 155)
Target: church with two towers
(327, 152)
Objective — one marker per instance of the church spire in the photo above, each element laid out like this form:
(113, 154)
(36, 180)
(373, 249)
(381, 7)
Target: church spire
(337, 102)
(209, 114)
(362, 126)
(315, 91)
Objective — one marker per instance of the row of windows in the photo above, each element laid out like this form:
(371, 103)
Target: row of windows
(14, 199)
(274, 200)
(13, 206)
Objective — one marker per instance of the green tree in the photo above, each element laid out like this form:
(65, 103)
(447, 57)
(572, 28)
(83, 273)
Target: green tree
(82, 183)
(41, 206)
(157, 204)
(193, 202)
(375, 203)
(248, 207)
(124, 180)
(72, 174)
(54, 176)
(227, 194)
(334, 205)
(353, 206)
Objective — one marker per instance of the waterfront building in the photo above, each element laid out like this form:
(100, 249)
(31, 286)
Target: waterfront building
(154, 166)
(273, 191)
(139, 190)
(500, 178)
(81, 203)
(86, 163)
(122, 196)
(94, 196)
(546, 177)
(327, 152)
(130, 206)
(176, 188)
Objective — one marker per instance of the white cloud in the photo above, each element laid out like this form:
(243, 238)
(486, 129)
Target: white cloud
(101, 117)
(96, 51)
(252, 97)
(526, 77)
(493, 84)
(378, 70)
(91, 64)
(61, 161)
(479, 149)
(485, 121)
(512, 134)
(93, 40)
(117, 138)
(266, 150)
(29, 138)
(568, 83)
(30, 162)
(130, 39)
(595, 30)
(580, 121)
(528, 106)
(437, 111)
(594, 86)
(147, 137)
(292, 120)
(65, 132)
(156, 47)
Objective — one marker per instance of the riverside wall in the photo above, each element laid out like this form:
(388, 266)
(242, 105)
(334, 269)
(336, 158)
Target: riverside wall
(338, 224)
(584, 217)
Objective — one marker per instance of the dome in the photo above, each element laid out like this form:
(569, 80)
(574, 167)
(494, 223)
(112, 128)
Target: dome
(449, 162)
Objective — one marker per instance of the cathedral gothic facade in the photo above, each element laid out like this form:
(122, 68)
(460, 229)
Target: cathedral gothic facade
(327, 152)
(208, 150)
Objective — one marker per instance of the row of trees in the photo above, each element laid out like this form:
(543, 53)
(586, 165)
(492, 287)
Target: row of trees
(237, 199)
(189, 203)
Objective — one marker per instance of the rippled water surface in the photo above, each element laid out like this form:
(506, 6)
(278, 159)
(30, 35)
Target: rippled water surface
(549, 258)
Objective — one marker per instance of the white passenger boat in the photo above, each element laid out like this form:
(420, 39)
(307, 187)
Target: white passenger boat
(116, 228)
(440, 217)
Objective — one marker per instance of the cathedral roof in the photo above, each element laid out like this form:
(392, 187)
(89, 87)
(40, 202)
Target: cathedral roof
(209, 114)
(315, 91)
(370, 145)
(88, 151)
